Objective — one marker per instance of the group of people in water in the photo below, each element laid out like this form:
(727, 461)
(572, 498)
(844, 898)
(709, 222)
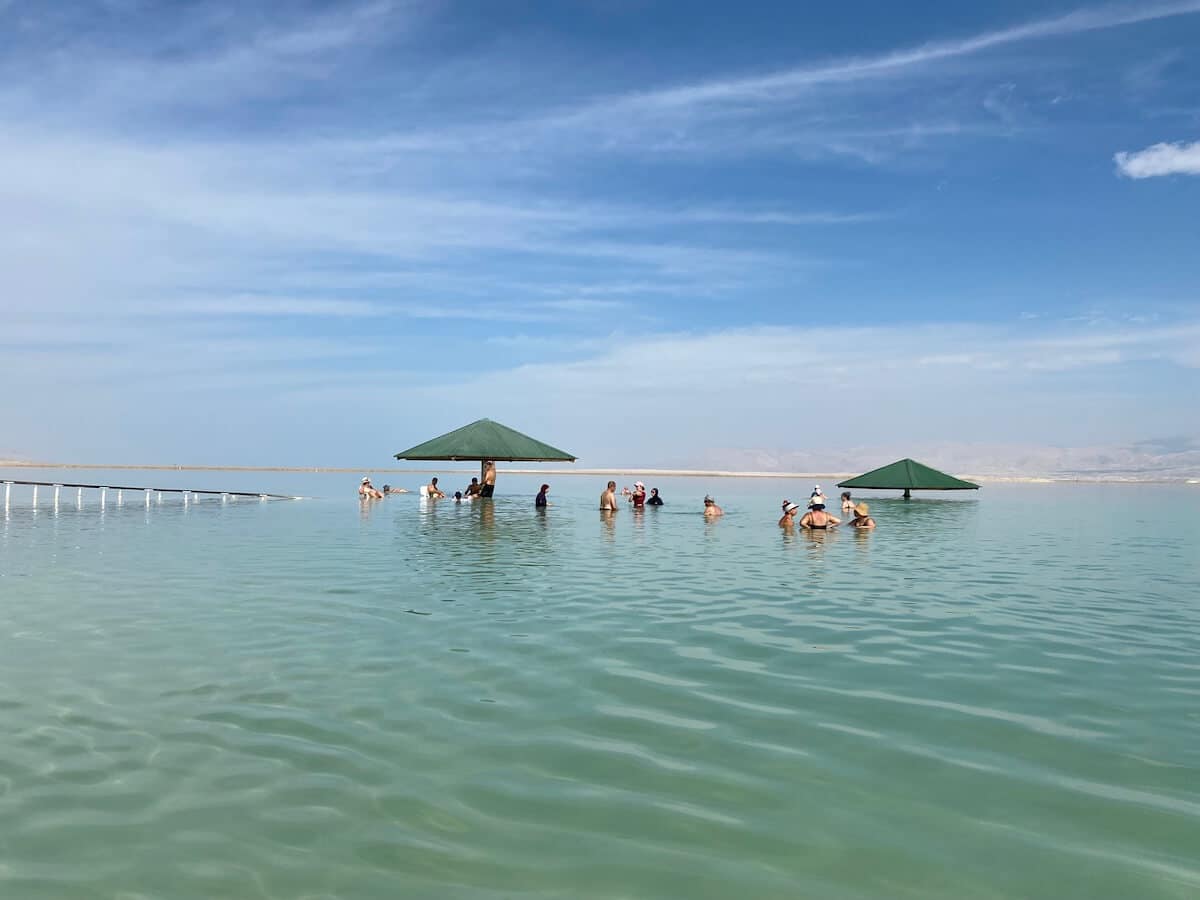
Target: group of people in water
(814, 518)
(637, 497)
(817, 519)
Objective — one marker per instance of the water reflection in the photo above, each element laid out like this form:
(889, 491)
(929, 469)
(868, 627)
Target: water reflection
(608, 519)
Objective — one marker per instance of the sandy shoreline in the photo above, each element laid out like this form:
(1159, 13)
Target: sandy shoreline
(615, 472)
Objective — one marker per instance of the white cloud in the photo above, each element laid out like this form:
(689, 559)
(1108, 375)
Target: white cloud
(1160, 159)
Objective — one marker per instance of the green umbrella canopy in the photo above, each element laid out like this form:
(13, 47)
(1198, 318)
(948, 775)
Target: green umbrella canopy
(909, 475)
(483, 440)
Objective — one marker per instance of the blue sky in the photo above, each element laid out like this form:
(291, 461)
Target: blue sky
(755, 234)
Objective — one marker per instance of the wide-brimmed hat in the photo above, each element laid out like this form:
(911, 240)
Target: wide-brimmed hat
(861, 509)
(791, 507)
(816, 503)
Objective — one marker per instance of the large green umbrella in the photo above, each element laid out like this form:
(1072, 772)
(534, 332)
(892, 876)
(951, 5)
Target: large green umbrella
(908, 475)
(486, 441)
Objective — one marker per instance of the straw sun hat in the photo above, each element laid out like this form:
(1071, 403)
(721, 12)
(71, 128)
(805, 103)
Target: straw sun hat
(861, 509)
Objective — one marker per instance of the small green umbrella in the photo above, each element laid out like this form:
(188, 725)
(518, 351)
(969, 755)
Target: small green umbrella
(908, 475)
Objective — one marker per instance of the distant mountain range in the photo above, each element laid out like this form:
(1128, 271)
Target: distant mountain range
(1164, 459)
(1171, 459)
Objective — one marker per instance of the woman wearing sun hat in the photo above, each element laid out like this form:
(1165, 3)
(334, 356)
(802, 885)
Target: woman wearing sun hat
(789, 514)
(816, 518)
(862, 519)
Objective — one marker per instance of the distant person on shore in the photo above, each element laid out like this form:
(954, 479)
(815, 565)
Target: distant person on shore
(368, 490)
(847, 503)
(789, 514)
(638, 497)
(654, 499)
(434, 492)
(711, 510)
(862, 518)
(608, 500)
(816, 518)
(540, 500)
(473, 488)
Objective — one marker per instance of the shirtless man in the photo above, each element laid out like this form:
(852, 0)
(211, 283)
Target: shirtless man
(368, 491)
(711, 510)
(608, 500)
(434, 492)
(473, 488)
(489, 478)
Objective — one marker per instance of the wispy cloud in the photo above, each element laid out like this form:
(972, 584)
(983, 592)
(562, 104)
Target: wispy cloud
(1160, 159)
(681, 118)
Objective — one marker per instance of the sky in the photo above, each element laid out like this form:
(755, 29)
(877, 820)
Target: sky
(750, 235)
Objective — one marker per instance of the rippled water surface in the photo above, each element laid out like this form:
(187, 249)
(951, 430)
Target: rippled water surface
(995, 695)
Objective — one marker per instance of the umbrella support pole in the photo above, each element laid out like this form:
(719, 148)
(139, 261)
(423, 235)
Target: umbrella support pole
(907, 494)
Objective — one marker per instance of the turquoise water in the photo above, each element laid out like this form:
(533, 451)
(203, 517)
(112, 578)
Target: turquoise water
(991, 696)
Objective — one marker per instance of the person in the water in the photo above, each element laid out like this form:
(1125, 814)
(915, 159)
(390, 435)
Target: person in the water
(789, 515)
(862, 518)
(654, 499)
(847, 503)
(638, 497)
(816, 518)
(711, 510)
(368, 490)
(608, 500)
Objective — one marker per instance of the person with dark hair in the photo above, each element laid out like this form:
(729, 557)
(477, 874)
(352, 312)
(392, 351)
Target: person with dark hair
(434, 492)
(654, 499)
(608, 500)
(489, 478)
(473, 488)
(540, 500)
(847, 503)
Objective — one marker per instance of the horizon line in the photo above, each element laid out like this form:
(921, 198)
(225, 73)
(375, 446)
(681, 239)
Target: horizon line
(996, 478)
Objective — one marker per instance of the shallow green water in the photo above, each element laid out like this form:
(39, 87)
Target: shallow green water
(991, 696)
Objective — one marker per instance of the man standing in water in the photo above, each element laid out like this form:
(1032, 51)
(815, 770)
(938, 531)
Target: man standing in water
(711, 510)
(608, 500)
(489, 478)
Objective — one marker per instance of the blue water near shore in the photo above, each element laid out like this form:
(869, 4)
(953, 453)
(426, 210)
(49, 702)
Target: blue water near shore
(993, 695)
